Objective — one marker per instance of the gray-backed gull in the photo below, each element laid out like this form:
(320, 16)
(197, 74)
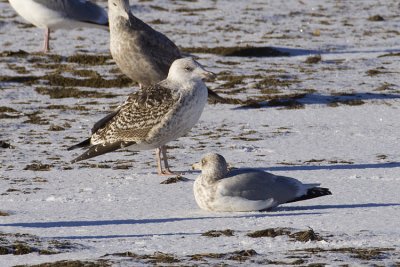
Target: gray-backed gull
(142, 53)
(60, 14)
(218, 189)
(153, 116)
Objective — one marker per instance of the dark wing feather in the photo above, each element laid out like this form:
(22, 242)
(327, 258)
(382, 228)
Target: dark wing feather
(84, 143)
(84, 11)
(101, 123)
(100, 149)
(214, 97)
(313, 193)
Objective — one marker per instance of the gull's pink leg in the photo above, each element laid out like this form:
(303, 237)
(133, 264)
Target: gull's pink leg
(46, 40)
(160, 171)
(167, 171)
(158, 159)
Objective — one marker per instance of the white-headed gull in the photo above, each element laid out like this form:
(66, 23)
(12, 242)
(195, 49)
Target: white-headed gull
(218, 189)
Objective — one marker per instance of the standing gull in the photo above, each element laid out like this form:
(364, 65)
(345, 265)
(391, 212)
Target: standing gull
(153, 116)
(60, 14)
(142, 53)
(218, 189)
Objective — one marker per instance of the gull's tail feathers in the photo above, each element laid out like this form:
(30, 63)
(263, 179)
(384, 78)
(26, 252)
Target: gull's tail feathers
(100, 149)
(84, 143)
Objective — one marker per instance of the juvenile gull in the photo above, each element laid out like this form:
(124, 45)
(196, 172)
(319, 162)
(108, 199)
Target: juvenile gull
(142, 53)
(153, 116)
(60, 14)
(218, 189)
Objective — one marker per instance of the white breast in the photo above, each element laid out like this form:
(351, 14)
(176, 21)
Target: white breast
(181, 121)
(203, 194)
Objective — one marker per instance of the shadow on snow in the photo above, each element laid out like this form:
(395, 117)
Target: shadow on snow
(341, 206)
(386, 165)
(312, 99)
(145, 221)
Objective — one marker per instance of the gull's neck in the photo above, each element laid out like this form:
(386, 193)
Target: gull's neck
(214, 174)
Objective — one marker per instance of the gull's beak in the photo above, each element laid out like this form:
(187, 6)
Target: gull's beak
(196, 166)
(203, 73)
(208, 75)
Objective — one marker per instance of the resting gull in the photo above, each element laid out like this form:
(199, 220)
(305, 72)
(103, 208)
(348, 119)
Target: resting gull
(60, 14)
(153, 116)
(218, 189)
(142, 53)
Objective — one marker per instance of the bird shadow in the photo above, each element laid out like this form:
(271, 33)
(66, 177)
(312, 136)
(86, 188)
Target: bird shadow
(278, 212)
(341, 206)
(338, 50)
(274, 51)
(299, 100)
(122, 236)
(145, 221)
(386, 165)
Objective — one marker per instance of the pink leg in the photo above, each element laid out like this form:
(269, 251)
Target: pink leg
(158, 159)
(165, 159)
(161, 152)
(46, 40)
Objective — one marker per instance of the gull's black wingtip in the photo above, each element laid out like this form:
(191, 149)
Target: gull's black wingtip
(84, 143)
(99, 149)
(313, 193)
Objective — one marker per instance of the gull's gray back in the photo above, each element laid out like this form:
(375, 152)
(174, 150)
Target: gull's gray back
(260, 185)
(84, 11)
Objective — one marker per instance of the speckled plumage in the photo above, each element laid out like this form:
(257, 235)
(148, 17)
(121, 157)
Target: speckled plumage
(155, 115)
(218, 189)
(137, 116)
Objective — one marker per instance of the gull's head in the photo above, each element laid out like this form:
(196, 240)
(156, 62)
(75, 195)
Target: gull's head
(186, 69)
(212, 165)
(119, 8)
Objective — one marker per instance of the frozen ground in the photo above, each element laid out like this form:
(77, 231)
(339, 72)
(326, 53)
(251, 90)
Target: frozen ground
(333, 120)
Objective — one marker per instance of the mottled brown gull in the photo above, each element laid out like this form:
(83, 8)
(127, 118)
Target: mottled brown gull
(60, 14)
(142, 53)
(218, 189)
(153, 116)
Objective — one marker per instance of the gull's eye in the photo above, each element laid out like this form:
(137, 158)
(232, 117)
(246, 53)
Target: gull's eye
(188, 69)
(114, 4)
(203, 162)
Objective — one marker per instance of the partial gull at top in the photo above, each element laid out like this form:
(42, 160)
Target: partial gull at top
(60, 14)
(153, 116)
(142, 53)
(218, 189)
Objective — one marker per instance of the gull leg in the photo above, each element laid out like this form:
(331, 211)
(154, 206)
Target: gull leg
(46, 40)
(167, 171)
(161, 152)
(158, 159)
